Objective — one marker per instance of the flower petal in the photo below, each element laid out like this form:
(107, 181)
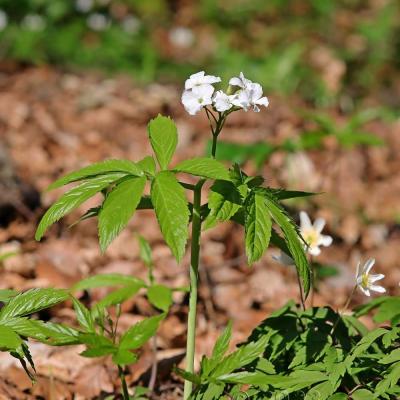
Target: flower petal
(358, 273)
(325, 240)
(319, 224)
(377, 277)
(368, 265)
(190, 102)
(305, 222)
(377, 288)
(314, 250)
(263, 101)
(365, 291)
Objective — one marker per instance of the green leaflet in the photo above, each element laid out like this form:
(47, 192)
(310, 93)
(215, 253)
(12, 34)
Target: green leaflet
(9, 340)
(118, 296)
(148, 165)
(74, 198)
(46, 332)
(163, 138)
(145, 251)
(117, 209)
(219, 350)
(171, 207)
(224, 200)
(140, 333)
(292, 240)
(102, 280)
(160, 296)
(205, 167)
(101, 168)
(83, 316)
(258, 226)
(7, 294)
(32, 301)
(362, 394)
(321, 391)
(124, 357)
(241, 357)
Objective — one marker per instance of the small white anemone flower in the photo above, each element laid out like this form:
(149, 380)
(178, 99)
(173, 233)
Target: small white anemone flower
(365, 280)
(222, 101)
(250, 96)
(195, 99)
(200, 79)
(312, 233)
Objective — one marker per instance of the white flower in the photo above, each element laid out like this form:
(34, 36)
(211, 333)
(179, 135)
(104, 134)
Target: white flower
(181, 37)
(131, 24)
(196, 98)
(200, 79)
(83, 5)
(97, 22)
(250, 96)
(222, 102)
(284, 259)
(240, 81)
(312, 234)
(365, 281)
(34, 22)
(3, 20)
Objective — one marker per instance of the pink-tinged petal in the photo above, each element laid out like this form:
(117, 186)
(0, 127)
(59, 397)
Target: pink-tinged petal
(368, 265)
(359, 280)
(236, 82)
(256, 91)
(314, 251)
(325, 240)
(305, 222)
(245, 81)
(263, 101)
(377, 277)
(377, 288)
(319, 224)
(365, 291)
(211, 79)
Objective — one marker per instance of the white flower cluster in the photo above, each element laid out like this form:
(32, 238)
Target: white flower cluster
(200, 92)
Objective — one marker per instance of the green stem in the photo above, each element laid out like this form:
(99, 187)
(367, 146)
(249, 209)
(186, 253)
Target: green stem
(344, 308)
(125, 393)
(214, 146)
(194, 277)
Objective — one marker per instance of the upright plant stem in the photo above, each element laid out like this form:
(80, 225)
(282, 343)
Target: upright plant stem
(214, 146)
(194, 262)
(194, 277)
(125, 393)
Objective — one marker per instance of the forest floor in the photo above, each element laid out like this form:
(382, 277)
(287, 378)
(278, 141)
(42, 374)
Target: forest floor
(53, 122)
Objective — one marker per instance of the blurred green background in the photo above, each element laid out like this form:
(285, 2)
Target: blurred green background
(330, 52)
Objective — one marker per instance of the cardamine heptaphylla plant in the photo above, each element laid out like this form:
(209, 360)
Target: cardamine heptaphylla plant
(299, 351)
